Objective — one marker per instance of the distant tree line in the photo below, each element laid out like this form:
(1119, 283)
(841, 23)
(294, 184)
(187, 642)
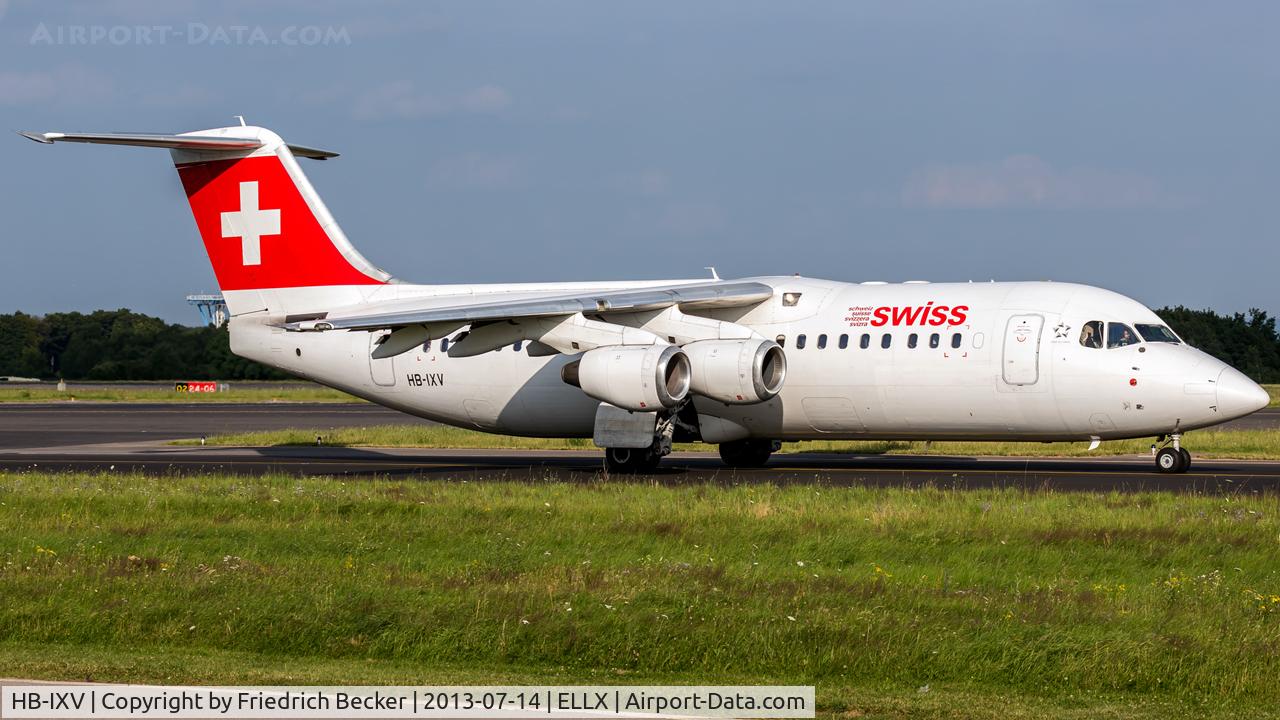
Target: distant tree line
(119, 345)
(124, 345)
(1246, 341)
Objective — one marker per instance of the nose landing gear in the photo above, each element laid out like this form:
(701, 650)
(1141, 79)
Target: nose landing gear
(1172, 457)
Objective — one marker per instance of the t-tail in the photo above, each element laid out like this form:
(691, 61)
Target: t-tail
(273, 244)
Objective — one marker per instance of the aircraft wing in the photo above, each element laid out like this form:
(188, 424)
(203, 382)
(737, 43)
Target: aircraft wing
(694, 296)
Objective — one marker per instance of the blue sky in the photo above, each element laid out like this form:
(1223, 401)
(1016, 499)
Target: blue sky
(1128, 145)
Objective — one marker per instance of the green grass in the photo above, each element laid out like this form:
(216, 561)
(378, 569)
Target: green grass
(1005, 604)
(1274, 392)
(1245, 444)
(239, 392)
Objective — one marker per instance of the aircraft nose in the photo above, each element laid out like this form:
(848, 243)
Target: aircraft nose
(1238, 395)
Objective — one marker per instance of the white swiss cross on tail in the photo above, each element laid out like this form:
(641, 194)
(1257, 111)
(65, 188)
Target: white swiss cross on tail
(249, 224)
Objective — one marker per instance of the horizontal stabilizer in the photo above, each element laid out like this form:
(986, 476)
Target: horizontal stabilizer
(173, 142)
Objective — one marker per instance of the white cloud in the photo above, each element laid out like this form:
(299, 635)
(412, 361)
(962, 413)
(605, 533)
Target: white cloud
(402, 99)
(68, 84)
(477, 171)
(1026, 181)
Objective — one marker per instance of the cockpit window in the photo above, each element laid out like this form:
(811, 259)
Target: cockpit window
(1091, 334)
(1157, 333)
(1119, 335)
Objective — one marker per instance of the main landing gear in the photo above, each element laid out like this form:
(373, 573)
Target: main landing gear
(750, 453)
(1171, 457)
(631, 460)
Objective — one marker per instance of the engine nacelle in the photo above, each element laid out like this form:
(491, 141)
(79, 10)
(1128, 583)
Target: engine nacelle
(643, 378)
(737, 372)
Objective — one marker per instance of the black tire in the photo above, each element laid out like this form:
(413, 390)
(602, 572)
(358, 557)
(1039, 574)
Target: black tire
(648, 461)
(750, 453)
(1169, 461)
(625, 461)
(1186, 459)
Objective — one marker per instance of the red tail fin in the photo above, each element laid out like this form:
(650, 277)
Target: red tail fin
(263, 224)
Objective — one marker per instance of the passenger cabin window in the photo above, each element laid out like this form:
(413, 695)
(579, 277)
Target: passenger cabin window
(844, 341)
(781, 340)
(934, 340)
(865, 341)
(1091, 334)
(912, 339)
(1157, 333)
(519, 344)
(800, 340)
(955, 340)
(886, 340)
(444, 344)
(426, 346)
(1119, 335)
(822, 341)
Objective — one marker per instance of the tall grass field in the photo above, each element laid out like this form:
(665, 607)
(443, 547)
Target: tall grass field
(892, 602)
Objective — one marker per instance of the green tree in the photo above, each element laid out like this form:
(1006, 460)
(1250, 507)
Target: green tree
(120, 345)
(1246, 341)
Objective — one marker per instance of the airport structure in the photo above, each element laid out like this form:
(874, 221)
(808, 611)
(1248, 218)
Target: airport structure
(212, 308)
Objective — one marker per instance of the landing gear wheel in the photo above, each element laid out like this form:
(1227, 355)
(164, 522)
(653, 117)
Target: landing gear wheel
(625, 461)
(1170, 460)
(1186, 459)
(746, 453)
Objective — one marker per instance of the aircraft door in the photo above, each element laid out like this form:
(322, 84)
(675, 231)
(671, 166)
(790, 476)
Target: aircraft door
(382, 372)
(1021, 360)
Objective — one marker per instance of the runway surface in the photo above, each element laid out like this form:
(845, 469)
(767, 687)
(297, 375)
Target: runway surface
(81, 423)
(118, 437)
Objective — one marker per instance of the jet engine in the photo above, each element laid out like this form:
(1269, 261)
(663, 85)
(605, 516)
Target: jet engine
(643, 378)
(737, 372)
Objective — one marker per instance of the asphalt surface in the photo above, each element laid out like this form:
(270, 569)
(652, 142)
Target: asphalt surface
(24, 425)
(133, 437)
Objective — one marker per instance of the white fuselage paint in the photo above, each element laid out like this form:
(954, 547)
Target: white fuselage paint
(1020, 371)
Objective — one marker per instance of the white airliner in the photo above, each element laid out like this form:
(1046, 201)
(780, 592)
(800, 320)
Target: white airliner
(744, 364)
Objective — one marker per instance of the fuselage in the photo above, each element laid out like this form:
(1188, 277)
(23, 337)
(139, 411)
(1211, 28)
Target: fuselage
(988, 361)
(1034, 360)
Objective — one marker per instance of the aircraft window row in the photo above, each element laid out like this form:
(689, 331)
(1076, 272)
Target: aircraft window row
(864, 342)
(1120, 335)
